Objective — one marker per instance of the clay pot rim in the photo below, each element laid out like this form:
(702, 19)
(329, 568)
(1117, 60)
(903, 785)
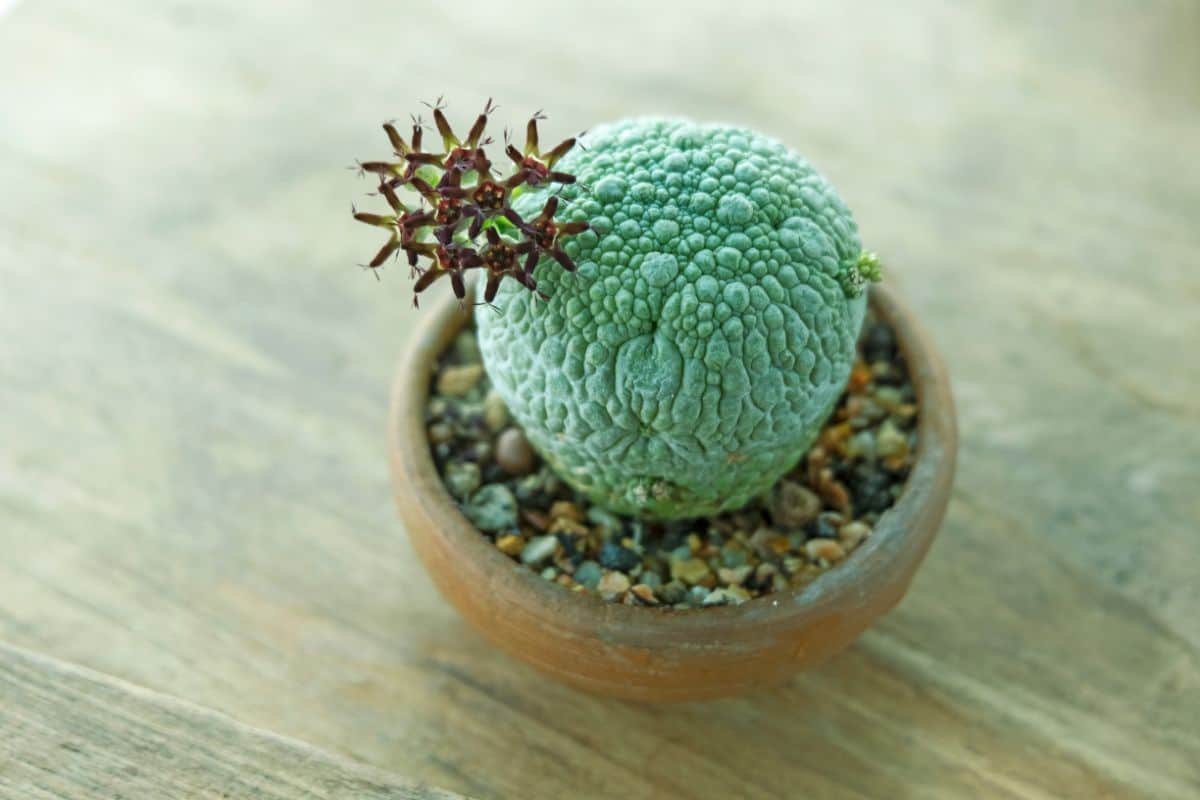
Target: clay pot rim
(923, 495)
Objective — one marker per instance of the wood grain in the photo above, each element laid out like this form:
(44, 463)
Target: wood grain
(73, 734)
(193, 378)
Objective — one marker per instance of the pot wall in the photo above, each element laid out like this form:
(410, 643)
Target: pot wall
(655, 654)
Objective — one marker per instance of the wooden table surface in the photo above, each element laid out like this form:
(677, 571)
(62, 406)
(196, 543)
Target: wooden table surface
(73, 734)
(193, 377)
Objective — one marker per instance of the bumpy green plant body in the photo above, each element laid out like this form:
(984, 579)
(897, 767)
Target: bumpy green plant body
(708, 332)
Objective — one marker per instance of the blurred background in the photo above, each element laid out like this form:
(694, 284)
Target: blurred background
(194, 375)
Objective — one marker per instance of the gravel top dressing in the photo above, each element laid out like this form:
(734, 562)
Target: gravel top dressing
(811, 519)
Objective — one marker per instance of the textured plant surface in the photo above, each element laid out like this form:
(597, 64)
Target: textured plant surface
(462, 216)
(708, 331)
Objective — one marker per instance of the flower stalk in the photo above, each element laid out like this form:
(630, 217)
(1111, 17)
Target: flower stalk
(451, 211)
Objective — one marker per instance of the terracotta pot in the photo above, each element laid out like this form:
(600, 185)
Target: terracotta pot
(666, 654)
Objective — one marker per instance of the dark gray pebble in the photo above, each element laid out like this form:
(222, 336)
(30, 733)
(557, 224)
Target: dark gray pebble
(615, 556)
(825, 526)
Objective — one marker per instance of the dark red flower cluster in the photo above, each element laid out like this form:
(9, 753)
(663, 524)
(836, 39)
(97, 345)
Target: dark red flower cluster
(462, 217)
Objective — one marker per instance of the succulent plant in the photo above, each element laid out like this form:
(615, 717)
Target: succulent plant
(694, 324)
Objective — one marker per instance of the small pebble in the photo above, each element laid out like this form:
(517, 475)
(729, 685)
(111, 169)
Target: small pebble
(861, 445)
(836, 494)
(612, 585)
(457, 381)
(495, 413)
(871, 488)
(614, 556)
(733, 554)
(890, 442)
(568, 526)
(870, 411)
(588, 574)
(884, 373)
(536, 518)
(825, 526)
(697, 595)
(573, 550)
(824, 550)
(645, 594)
(794, 504)
(462, 478)
(440, 433)
(479, 453)
(673, 592)
(565, 509)
(691, 570)
(735, 576)
(492, 507)
(513, 452)
(860, 378)
(889, 398)
(763, 542)
(651, 579)
(533, 489)
(539, 549)
(681, 553)
(852, 533)
(736, 594)
(510, 544)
